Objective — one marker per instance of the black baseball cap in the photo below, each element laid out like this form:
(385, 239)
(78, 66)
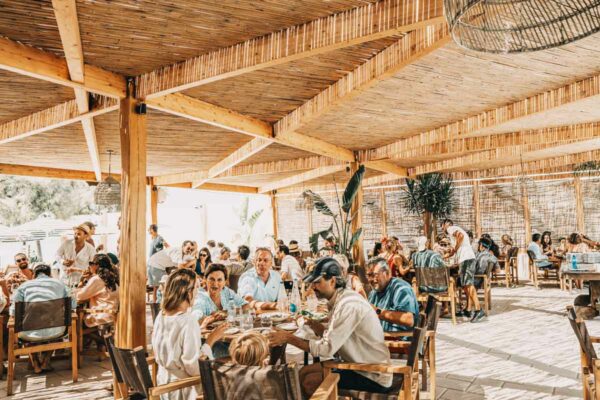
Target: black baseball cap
(325, 266)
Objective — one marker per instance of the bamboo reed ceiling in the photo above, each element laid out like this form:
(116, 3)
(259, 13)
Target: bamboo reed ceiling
(409, 97)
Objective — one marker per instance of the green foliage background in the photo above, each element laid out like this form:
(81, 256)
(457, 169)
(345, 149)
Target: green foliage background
(24, 199)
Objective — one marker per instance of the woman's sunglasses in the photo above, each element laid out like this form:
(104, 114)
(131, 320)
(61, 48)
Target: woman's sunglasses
(203, 255)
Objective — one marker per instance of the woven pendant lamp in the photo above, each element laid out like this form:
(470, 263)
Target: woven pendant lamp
(517, 26)
(108, 192)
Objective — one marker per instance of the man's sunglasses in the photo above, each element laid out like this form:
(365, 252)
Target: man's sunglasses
(21, 259)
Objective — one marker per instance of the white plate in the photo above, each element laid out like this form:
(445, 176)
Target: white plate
(289, 326)
(231, 331)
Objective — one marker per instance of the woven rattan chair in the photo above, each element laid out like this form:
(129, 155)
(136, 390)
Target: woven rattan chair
(226, 381)
(405, 383)
(590, 365)
(96, 332)
(31, 316)
(509, 274)
(438, 282)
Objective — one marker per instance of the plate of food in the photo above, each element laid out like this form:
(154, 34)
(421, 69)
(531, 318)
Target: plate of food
(276, 316)
(288, 326)
(314, 315)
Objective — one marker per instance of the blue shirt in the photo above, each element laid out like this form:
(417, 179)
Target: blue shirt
(205, 306)
(397, 296)
(540, 259)
(42, 288)
(250, 284)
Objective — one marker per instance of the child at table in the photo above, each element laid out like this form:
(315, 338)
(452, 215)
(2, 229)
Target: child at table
(250, 349)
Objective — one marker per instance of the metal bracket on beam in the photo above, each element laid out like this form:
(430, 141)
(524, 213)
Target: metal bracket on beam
(140, 108)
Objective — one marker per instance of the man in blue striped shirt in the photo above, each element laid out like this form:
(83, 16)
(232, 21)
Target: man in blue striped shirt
(393, 299)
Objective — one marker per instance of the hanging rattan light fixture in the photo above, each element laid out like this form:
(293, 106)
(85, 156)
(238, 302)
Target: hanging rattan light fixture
(516, 26)
(108, 192)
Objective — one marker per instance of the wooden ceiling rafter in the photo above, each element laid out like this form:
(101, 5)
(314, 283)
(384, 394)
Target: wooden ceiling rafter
(343, 29)
(65, 12)
(493, 121)
(52, 173)
(280, 166)
(301, 177)
(54, 117)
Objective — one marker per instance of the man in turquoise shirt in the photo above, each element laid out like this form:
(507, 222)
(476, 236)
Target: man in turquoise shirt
(393, 299)
(260, 285)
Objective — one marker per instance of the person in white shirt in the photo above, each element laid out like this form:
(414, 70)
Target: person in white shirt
(181, 257)
(290, 268)
(465, 257)
(260, 285)
(354, 333)
(74, 255)
(176, 337)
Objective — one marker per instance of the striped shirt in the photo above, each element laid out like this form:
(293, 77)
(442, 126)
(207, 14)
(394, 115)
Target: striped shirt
(397, 296)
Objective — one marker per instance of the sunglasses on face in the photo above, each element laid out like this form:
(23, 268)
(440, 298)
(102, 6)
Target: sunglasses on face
(203, 255)
(92, 263)
(21, 259)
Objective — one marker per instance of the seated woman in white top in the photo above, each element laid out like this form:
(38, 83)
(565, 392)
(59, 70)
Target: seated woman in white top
(176, 338)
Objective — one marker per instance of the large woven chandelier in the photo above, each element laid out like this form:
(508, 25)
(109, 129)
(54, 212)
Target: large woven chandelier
(516, 26)
(108, 192)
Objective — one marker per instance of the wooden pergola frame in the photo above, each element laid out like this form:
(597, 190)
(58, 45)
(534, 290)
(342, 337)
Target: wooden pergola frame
(467, 143)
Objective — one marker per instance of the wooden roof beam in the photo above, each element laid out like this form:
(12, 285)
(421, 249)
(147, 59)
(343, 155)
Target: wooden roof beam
(26, 60)
(530, 112)
(302, 177)
(280, 166)
(52, 173)
(347, 28)
(508, 155)
(54, 117)
(217, 187)
(65, 12)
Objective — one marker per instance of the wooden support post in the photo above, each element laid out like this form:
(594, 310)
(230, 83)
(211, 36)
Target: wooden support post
(477, 209)
(154, 202)
(131, 321)
(358, 253)
(579, 205)
(383, 213)
(275, 218)
(526, 214)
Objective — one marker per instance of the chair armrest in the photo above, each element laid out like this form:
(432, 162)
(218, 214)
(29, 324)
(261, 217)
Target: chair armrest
(326, 388)
(150, 360)
(11, 322)
(396, 335)
(595, 339)
(397, 344)
(74, 315)
(175, 385)
(387, 368)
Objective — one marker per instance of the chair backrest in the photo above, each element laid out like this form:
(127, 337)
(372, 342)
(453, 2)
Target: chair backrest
(34, 315)
(154, 310)
(227, 381)
(433, 316)
(110, 347)
(513, 252)
(432, 280)
(415, 347)
(531, 255)
(583, 336)
(134, 371)
(233, 282)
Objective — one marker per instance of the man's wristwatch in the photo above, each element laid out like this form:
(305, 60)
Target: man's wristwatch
(378, 311)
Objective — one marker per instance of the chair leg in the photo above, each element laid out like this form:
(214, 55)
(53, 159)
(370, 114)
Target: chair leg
(453, 307)
(11, 362)
(1, 347)
(424, 372)
(431, 355)
(74, 350)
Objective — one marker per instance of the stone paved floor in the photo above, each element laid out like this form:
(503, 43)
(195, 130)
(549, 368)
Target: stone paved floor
(524, 350)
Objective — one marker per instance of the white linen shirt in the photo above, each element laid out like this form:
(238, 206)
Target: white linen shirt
(465, 251)
(250, 284)
(291, 266)
(177, 345)
(355, 334)
(66, 251)
(166, 258)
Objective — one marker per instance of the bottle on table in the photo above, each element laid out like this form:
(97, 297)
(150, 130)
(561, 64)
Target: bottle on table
(295, 300)
(573, 261)
(282, 299)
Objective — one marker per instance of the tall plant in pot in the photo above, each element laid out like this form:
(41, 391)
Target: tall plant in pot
(432, 197)
(341, 222)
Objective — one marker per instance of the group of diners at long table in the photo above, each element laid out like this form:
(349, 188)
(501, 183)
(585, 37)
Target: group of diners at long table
(210, 299)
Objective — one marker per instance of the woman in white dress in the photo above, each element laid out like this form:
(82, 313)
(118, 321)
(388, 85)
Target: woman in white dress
(176, 336)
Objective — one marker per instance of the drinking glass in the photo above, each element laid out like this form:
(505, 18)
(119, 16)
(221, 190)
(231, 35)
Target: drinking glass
(247, 322)
(266, 322)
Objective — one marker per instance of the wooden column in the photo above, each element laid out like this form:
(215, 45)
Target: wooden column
(358, 253)
(154, 202)
(275, 217)
(526, 215)
(131, 321)
(579, 205)
(477, 209)
(383, 213)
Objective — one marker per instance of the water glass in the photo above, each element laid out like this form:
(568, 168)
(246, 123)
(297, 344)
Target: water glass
(247, 322)
(266, 322)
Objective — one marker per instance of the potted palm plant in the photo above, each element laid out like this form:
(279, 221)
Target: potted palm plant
(432, 197)
(341, 222)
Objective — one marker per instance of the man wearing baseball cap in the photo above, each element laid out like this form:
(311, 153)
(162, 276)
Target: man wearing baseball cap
(74, 255)
(354, 334)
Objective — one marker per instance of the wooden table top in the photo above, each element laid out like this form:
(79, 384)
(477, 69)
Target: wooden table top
(585, 275)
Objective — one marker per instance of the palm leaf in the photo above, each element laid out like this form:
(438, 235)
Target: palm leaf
(352, 188)
(355, 237)
(254, 218)
(319, 203)
(313, 240)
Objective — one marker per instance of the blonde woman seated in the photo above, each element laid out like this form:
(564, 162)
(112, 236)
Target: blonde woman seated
(176, 338)
(352, 280)
(101, 290)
